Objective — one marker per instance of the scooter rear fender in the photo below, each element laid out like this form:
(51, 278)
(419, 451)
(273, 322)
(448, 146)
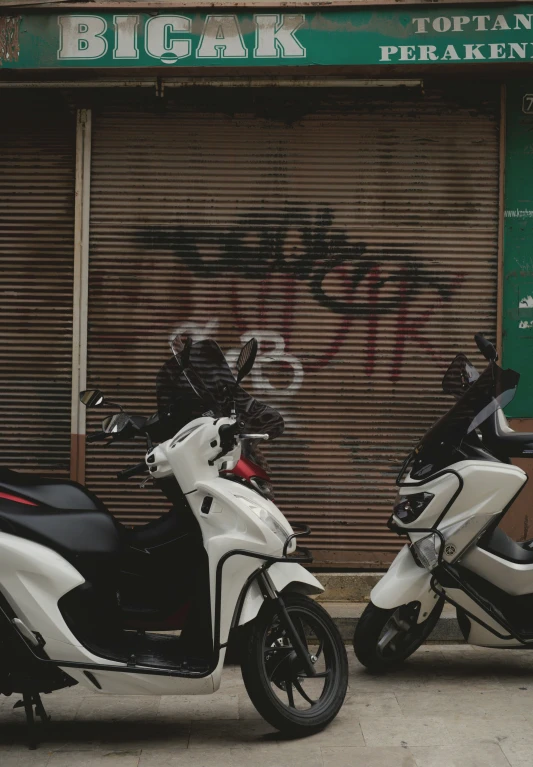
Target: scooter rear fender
(405, 582)
(285, 576)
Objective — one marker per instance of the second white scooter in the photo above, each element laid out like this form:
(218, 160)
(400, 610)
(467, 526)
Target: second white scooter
(454, 489)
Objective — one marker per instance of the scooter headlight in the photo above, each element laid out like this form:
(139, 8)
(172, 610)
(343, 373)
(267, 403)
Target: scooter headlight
(426, 550)
(267, 518)
(410, 507)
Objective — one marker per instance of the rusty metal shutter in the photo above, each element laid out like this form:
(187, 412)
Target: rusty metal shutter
(37, 155)
(354, 234)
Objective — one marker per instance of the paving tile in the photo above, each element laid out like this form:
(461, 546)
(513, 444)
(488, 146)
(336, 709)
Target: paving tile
(110, 759)
(118, 708)
(231, 680)
(472, 755)
(247, 710)
(344, 730)
(368, 757)
(402, 679)
(25, 758)
(230, 758)
(191, 758)
(470, 702)
(518, 754)
(221, 734)
(57, 706)
(405, 731)
(183, 707)
(56, 736)
(368, 704)
(491, 727)
(138, 736)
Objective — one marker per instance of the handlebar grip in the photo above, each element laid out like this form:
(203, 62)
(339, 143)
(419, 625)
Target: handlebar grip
(229, 430)
(227, 434)
(95, 437)
(140, 468)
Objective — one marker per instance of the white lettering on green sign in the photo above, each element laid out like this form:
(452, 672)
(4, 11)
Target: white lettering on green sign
(168, 37)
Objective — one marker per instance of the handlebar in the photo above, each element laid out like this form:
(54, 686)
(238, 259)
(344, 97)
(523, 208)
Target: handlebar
(228, 432)
(140, 468)
(96, 437)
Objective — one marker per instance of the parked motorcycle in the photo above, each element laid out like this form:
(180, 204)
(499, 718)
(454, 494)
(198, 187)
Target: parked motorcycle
(82, 597)
(454, 489)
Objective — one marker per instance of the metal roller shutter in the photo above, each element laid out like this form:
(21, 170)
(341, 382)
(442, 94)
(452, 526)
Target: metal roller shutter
(37, 156)
(354, 234)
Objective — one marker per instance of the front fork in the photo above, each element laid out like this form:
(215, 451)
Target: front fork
(269, 592)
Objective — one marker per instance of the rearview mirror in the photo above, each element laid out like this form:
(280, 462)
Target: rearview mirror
(91, 397)
(246, 359)
(487, 349)
(114, 424)
(181, 349)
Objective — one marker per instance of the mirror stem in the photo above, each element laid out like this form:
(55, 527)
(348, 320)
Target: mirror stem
(113, 404)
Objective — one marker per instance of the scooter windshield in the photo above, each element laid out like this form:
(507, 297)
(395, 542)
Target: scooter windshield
(208, 386)
(459, 377)
(480, 398)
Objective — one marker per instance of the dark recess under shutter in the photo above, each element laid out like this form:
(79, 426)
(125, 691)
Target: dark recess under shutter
(354, 233)
(37, 156)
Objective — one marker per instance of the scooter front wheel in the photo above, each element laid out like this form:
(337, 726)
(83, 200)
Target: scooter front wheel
(385, 638)
(281, 689)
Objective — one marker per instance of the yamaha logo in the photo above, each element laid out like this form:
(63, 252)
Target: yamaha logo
(450, 549)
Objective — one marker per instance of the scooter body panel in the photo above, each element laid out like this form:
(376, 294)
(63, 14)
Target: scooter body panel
(291, 576)
(33, 578)
(514, 578)
(405, 582)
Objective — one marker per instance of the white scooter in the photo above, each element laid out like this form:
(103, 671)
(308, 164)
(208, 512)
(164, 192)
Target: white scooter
(71, 576)
(454, 489)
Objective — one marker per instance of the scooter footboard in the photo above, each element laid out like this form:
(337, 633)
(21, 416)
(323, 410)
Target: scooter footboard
(405, 582)
(283, 575)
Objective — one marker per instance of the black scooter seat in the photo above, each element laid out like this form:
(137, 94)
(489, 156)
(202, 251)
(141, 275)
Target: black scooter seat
(66, 518)
(56, 493)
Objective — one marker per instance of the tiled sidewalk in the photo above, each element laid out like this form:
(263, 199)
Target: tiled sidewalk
(450, 706)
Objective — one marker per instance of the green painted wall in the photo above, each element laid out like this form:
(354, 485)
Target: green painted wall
(518, 246)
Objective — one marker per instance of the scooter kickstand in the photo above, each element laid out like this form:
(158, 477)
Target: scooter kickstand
(29, 700)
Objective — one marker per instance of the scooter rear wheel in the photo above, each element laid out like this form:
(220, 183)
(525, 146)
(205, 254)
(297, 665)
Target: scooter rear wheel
(385, 638)
(283, 693)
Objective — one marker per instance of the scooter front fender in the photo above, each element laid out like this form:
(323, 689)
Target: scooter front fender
(405, 582)
(285, 576)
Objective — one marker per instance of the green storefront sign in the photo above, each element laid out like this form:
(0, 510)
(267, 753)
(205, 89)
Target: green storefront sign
(326, 37)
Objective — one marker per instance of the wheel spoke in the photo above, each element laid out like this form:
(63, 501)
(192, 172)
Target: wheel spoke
(303, 692)
(320, 648)
(290, 694)
(320, 675)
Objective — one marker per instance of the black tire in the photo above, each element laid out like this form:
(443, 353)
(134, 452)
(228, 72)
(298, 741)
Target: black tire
(372, 626)
(272, 673)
